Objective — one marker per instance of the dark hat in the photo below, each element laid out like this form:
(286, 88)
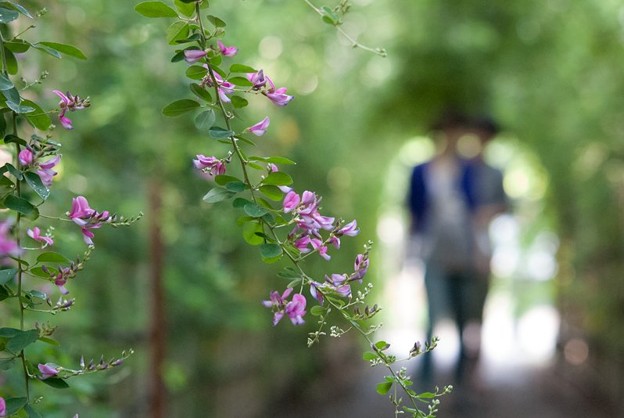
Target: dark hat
(486, 124)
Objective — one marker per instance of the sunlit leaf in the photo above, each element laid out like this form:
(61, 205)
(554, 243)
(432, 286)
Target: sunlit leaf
(179, 107)
(154, 9)
(64, 49)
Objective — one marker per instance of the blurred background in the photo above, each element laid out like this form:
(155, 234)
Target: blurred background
(183, 289)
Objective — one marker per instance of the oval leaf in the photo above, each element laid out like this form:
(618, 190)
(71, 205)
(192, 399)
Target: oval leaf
(278, 178)
(205, 120)
(179, 107)
(270, 250)
(56, 382)
(52, 257)
(217, 195)
(20, 205)
(6, 275)
(65, 49)
(35, 183)
(254, 210)
(220, 133)
(155, 9)
(22, 340)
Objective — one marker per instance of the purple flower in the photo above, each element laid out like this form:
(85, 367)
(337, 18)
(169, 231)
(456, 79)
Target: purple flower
(224, 88)
(339, 283)
(87, 218)
(47, 370)
(35, 234)
(295, 309)
(8, 246)
(45, 171)
(211, 165)
(260, 128)
(26, 157)
(349, 229)
(279, 96)
(291, 201)
(316, 292)
(193, 55)
(227, 51)
(360, 267)
(278, 303)
(71, 103)
(257, 79)
(2, 407)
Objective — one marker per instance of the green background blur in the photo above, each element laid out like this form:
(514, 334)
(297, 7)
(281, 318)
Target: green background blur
(549, 71)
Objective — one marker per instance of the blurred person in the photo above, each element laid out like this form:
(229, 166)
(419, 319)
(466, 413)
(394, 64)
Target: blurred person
(442, 203)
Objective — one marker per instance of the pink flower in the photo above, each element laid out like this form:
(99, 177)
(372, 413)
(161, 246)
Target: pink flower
(260, 128)
(295, 309)
(227, 51)
(47, 370)
(339, 283)
(257, 79)
(349, 229)
(2, 407)
(71, 103)
(45, 171)
(316, 292)
(360, 267)
(193, 55)
(8, 246)
(224, 87)
(87, 218)
(26, 157)
(279, 96)
(35, 234)
(211, 165)
(278, 303)
(291, 201)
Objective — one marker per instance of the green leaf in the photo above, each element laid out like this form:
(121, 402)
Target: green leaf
(12, 95)
(6, 275)
(18, 46)
(240, 81)
(278, 178)
(12, 66)
(280, 160)
(217, 195)
(49, 340)
(240, 202)
(4, 294)
(254, 210)
(21, 205)
(177, 31)
(272, 192)
(7, 363)
(32, 413)
(35, 183)
(201, 92)
(8, 14)
(13, 405)
(317, 310)
(56, 382)
(39, 272)
(22, 340)
(205, 120)
(37, 118)
(19, 108)
(220, 133)
(196, 72)
(19, 8)
(154, 9)
(216, 21)
(384, 387)
(52, 257)
(16, 140)
(269, 251)
(9, 332)
(65, 49)
(369, 356)
(179, 107)
(222, 180)
(240, 68)
(236, 186)
(48, 50)
(426, 395)
(5, 83)
(238, 102)
(186, 8)
(250, 233)
(382, 345)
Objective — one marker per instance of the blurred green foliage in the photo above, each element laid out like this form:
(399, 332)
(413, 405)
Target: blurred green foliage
(549, 71)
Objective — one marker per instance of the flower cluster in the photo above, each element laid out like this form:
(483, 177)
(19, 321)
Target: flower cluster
(71, 103)
(309, 222)
(340, 284)
(212, 165)
(28, 159)
(87, 218)
(295, 308)
(263, 84)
